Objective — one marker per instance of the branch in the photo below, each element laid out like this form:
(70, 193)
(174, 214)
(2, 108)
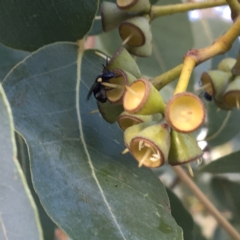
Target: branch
(162, 80)
(235, 8)
(197, 56)
(158, 11)
(204, 200)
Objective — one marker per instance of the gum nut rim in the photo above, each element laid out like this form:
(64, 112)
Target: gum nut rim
(133, 103)
(125, 121)
(123, 4)
(146, 153)
(185, 112)
(127, 29)
(115, 95)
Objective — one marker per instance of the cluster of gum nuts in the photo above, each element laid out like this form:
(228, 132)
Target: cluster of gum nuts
(223, 84)
(154, 132)
(133, 22)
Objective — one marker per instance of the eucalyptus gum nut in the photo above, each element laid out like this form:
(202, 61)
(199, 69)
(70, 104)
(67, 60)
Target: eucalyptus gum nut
(143, 98)
(232, 93)
(215, 82)
(134, 6)
(124, 78)
(226, 64)
(184, 149)
(132, 131)
(112, 16)
(185, 112)
(236, 68)
(136, 30)
(222, 105)
(109, 112)
(123, 60)
(126, 120)
(151, 145)
(143, 51)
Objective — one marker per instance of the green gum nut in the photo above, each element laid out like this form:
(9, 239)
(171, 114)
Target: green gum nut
(236, 67)
(222, 104)
(143, 98)
(132, 131)
(109, 112)
(215, 82)
(115, 95)
(143, 51)
(150, 147)
(112, 16)
(184, 149)
(134, 6)
(185, 112)
(123, 60)
(226, 64)
(232, 93)
(126, 120)
(135, 31)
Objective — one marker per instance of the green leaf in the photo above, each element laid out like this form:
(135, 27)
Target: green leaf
(18, 215)
(47, 224)
(227, 164)
(222, 125)
(29, 25)
(84, 182)
(8, 58)
(181, 215)
(227, 193)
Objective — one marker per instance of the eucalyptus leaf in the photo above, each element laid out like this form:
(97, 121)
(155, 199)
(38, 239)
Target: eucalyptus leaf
(18, 215)
(9, 58)
(28, 24)
(86, 185)
(47, 224)
(227, 164)
(181, 215)
(222, 125)
(227, 193)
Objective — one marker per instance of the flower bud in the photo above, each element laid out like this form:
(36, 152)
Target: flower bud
(135, 31)
(112, 16)
(126, 120)
(185, 112)
(123, 60)
(143, 98)
(150, 147)
(109, 112)
(232, 93)
(134, 6)
(115, 95)
(184, 149)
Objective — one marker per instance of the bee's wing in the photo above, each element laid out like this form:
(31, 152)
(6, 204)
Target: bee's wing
(95, 85)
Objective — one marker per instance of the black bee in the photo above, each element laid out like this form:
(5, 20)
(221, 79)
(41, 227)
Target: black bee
(206, 95)
(98, 90)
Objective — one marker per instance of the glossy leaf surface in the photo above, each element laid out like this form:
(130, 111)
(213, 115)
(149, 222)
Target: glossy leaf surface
(18, 215)
(84, 182)
(29, 25)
